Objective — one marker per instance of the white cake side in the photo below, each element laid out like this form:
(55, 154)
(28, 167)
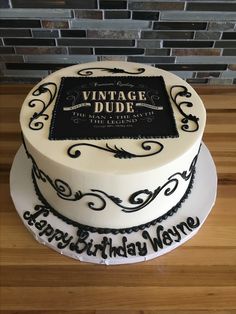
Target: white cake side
(98, 189)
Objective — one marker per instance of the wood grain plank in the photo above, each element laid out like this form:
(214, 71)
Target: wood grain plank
(116, 312)
(184, 256)
(119, 298)
(126, 276)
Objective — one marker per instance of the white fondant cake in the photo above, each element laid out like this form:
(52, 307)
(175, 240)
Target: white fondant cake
(113, 144)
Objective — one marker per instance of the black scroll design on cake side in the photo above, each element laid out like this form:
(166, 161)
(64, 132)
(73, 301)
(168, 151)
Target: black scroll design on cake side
(142, 198)
(36, 121)
(84, 229)
(176, 92)
(121, 153)
(62, 188)
(64, 191)
(89, 71)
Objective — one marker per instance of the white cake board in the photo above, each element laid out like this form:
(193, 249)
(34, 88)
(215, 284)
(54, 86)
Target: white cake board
(168, 233)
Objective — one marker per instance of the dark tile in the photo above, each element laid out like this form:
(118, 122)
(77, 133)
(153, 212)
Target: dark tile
(225, 44)
(80, 51)
(148, 59)
(193, 67)
(6, 50)
(41, 50)
(45, 33)
(197, 81)
(211, 6)
(180, 25)
(145, 15)
(189, 43)
(229, 35)
(36, 66)
(19, 23)
(29, 42)
(106, 4)
(166, 35)
(207, 74)
(81, 4)
(196, 52)
(157, 52)
(57, 24)
(89, 14)
(117, 14)
(156, 5)
(229, 52)
(96, 42)
(119, 51)
(8, 32)
(73, 33)
(5, 4)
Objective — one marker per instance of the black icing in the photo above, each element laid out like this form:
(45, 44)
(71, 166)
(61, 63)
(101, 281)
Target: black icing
(136, 201)
(190, 122)
(121, 153)
(84, 229)
(37, 120)
(112, 107)
(90, 71)
(106, 247)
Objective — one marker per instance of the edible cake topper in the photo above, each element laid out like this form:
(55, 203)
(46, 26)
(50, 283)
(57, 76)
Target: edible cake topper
(112, 107)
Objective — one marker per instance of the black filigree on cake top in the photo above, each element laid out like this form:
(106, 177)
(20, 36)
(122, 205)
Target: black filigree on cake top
(37, 120)
(90, 71)
(190, 122)
(121, 153)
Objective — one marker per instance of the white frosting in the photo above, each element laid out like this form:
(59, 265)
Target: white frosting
(99, 170)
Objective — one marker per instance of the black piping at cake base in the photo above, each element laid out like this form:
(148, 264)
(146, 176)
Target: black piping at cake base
(128, 230)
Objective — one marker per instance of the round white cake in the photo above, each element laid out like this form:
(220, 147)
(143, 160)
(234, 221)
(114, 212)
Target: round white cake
(113, 145)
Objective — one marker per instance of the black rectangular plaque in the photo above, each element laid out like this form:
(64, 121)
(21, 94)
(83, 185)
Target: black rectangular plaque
(112, 107)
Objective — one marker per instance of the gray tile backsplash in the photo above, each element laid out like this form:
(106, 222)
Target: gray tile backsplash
(193, 39)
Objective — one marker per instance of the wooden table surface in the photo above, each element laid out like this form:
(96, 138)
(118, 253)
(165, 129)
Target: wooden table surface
(198, 277)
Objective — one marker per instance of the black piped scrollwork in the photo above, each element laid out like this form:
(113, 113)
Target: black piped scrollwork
(36, 121)
(137, 200)
(61, 187)
(144, 197)
(88, 71)
(118, 152)
(177, 91)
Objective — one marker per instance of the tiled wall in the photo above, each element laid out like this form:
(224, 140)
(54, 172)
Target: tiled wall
(194, 39)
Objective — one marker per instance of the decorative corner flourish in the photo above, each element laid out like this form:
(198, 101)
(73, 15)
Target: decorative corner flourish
(121, 153)
(88, 71)
(176, 92)
(37, 120)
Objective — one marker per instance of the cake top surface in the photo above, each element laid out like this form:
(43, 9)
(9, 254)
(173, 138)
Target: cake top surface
(112, 117)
